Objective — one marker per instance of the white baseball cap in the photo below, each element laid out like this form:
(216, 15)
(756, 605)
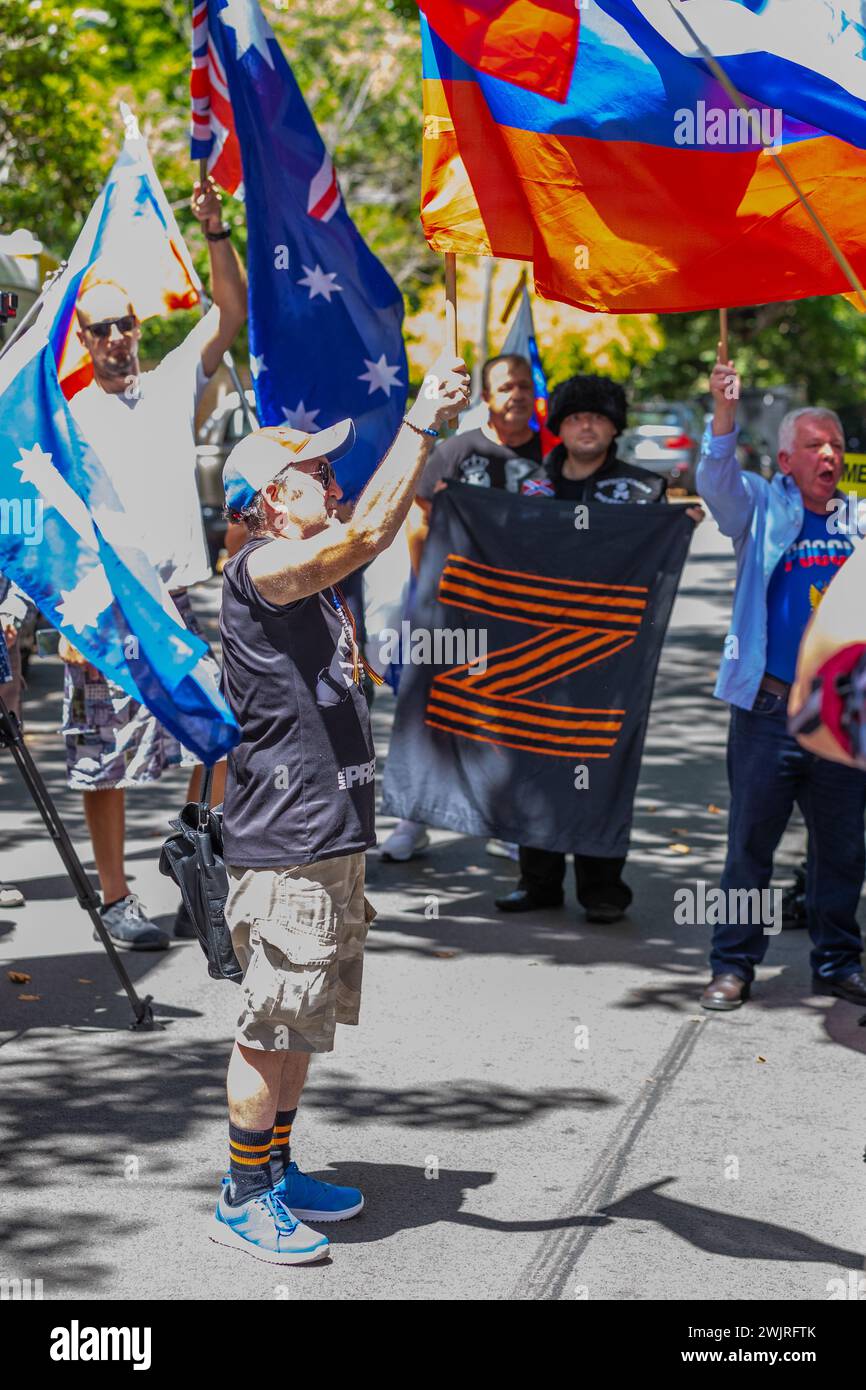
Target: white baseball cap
(260, 456)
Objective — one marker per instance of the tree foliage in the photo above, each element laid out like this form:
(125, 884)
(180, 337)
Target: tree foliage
(66, 65)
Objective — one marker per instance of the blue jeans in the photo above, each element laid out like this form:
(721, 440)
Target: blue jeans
(768, 772)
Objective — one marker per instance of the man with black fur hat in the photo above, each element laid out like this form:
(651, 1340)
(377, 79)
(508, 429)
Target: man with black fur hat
(587, 412)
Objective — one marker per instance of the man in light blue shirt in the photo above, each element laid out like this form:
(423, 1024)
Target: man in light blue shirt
(788, 546)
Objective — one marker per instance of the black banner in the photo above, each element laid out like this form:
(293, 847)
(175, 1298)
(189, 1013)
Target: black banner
(535, 638)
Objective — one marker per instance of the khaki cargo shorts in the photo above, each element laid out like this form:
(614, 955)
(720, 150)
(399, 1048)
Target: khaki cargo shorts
(299, 935)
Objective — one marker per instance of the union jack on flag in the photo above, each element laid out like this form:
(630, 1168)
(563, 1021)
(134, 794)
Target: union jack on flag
(325, 320)
(212, 127)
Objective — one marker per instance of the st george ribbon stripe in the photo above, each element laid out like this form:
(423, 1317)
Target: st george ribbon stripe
(555, 582)
(463, 701)
(546, 700)
(524, 717)
(509, 743)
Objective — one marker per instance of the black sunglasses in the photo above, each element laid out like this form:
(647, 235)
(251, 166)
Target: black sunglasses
(324, 473)
(125, 324)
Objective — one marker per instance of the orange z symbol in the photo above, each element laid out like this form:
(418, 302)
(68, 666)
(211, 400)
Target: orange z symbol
(579, 623)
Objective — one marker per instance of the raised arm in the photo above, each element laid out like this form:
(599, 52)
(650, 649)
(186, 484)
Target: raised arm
(720, 478)
(228, 280)
(289, 569)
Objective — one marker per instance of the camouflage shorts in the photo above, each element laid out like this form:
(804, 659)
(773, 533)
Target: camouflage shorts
(111, 739)
(299, 935)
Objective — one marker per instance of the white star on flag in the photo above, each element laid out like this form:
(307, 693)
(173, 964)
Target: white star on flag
(381, 375)
(320, 281)
(37, 467)
(251, 28)
(258, 365)
(81, 606)
(302, 419)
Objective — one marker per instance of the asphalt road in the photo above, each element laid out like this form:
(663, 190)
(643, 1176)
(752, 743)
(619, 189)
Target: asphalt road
(535, 1109)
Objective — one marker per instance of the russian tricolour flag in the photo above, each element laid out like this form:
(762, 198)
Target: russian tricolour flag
(644, 187)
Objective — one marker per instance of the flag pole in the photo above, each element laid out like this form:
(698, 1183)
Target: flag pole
(451, 300)
(451, 307)
(723, 334)
(514, 296)
(228, 361)
(718, 71)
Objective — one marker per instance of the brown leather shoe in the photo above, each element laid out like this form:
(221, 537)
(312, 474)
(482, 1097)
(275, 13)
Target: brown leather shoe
(725, 992)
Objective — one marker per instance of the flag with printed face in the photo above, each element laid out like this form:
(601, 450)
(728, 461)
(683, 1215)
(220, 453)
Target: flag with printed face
(325, 318)
(131, 236)
(529, 668)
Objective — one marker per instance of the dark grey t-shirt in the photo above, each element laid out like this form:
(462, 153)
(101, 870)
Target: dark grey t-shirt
(473, 458)
(300, 782)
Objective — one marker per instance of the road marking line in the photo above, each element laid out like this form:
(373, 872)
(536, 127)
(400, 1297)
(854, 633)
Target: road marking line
(547, 1274)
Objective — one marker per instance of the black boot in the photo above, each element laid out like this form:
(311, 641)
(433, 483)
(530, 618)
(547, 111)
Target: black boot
(523, 901)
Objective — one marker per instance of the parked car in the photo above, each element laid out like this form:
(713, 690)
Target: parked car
(226, 424)
(754, 451)
(664, 436)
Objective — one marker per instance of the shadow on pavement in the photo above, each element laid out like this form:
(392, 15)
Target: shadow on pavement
(458, 1105)
(398, 1197)
(722, 1233)
(81, 991)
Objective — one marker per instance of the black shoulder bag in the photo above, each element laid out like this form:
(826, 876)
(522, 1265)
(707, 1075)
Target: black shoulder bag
(193, 857)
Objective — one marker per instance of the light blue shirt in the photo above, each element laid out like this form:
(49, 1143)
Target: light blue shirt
(762, 519)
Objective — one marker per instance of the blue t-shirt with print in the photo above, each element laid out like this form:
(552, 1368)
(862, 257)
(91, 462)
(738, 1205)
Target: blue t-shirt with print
(796, 588)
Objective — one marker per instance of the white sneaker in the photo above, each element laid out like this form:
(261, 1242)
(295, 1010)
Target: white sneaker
(10, 896)
(502, 849)
(408, 838)
(130, 928)
(266, 1229)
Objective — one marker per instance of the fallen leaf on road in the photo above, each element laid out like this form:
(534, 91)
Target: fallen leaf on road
(679, 849)
(760, 1059)
(445, 955)
(714, 810)
(29, 997)
(18, 977)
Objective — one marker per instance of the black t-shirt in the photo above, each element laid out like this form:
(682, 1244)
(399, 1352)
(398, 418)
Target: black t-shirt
(614, 481)
(473, 458)
(300, 782)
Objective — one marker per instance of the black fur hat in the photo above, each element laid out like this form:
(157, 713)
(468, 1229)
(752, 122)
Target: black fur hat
(597, 393)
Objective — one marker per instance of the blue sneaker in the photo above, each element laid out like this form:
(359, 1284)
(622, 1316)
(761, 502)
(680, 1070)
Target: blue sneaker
(266, 1229)
(311, 1200)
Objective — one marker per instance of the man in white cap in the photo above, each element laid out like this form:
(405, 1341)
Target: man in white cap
(141, 424)
(299, 800)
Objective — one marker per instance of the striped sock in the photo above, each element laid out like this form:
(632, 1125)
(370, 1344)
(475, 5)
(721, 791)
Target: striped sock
(249, 1151)
(281, 1144)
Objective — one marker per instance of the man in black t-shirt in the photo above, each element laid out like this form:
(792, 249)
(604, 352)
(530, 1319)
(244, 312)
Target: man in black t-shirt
(588, 412)
(299, 800)
(503, 453)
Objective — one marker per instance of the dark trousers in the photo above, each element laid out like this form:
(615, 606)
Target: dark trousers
(768, 773)
(542, 873)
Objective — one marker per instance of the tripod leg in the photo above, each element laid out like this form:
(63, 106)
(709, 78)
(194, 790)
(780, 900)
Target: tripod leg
(11, 738)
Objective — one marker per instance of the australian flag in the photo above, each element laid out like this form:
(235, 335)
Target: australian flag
(325, 316)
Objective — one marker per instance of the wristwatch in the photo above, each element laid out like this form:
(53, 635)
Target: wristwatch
(220, 235)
